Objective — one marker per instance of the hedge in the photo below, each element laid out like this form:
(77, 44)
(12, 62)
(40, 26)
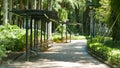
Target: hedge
(107, 51)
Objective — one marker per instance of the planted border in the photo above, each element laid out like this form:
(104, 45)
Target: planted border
(107, 52)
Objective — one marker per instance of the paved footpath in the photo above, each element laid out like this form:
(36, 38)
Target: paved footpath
(63, 55)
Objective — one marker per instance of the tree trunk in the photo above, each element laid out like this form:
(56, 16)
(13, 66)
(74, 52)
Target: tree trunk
(20, 19)
(21, 5)
(86, 24)
(27, 4)
(10, 14)
(1, 5)
(5, 8)
(39, 4)
(35, 4)
(50, 23)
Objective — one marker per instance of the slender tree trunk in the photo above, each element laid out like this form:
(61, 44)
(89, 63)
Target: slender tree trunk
(27, 4)
(39, 4)
(21, 5)
(35, 4)
(1, 5)
(10, 14)
(20, 19)
(5, 17)
(50, 23)
(91, 24)
(86, 21)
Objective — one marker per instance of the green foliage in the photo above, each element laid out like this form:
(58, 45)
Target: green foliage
(67, 8)
(100, 49)
(102, 13)
(115, 6)
(57, 37)
(2, 51)
(115, 18)
(63, 14)
(12, 37)
(94, 3)
(109, 51)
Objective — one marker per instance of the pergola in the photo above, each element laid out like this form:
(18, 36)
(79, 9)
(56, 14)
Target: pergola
(35, 15)
(67, 23)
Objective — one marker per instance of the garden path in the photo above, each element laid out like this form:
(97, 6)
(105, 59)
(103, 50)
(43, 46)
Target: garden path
(62, 55)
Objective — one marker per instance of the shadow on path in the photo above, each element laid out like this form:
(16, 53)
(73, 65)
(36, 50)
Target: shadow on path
(62, 55)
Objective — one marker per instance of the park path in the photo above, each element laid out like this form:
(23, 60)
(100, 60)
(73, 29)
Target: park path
(62, 55)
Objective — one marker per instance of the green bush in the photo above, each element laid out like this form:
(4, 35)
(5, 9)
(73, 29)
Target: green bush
(100, 49)
(109, 51)
(2, 51)
(12, 38)
(57, 38)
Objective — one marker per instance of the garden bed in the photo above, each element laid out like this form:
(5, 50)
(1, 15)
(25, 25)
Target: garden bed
(107, 52)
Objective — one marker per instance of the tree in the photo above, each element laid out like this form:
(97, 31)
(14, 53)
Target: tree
(1, 11)
(10, 9)
(69, 9)
(102, 15)
(115, 19)
(5, 8)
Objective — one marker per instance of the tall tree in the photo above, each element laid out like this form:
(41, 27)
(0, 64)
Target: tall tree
(21, 5)
(5, 8)
(1, 12)
(50, 23)
(10, 9)
(115, 17)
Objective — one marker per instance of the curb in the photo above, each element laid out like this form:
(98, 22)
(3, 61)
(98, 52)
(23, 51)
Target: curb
(98, 58)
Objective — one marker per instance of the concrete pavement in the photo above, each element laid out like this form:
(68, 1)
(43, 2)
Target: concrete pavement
(61, 55)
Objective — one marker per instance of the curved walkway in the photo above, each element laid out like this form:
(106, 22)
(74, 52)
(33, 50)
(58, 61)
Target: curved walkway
(63, 55)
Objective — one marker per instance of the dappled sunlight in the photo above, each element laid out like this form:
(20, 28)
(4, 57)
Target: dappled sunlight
(74, 41)
(78, 47)
(59, 64)
(72, 55)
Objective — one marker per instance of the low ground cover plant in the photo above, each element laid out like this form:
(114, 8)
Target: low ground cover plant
(108, 50)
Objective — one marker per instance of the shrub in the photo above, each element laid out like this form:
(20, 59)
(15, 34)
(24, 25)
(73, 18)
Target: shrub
(12, 38)
(2, 51)
(109, 51)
